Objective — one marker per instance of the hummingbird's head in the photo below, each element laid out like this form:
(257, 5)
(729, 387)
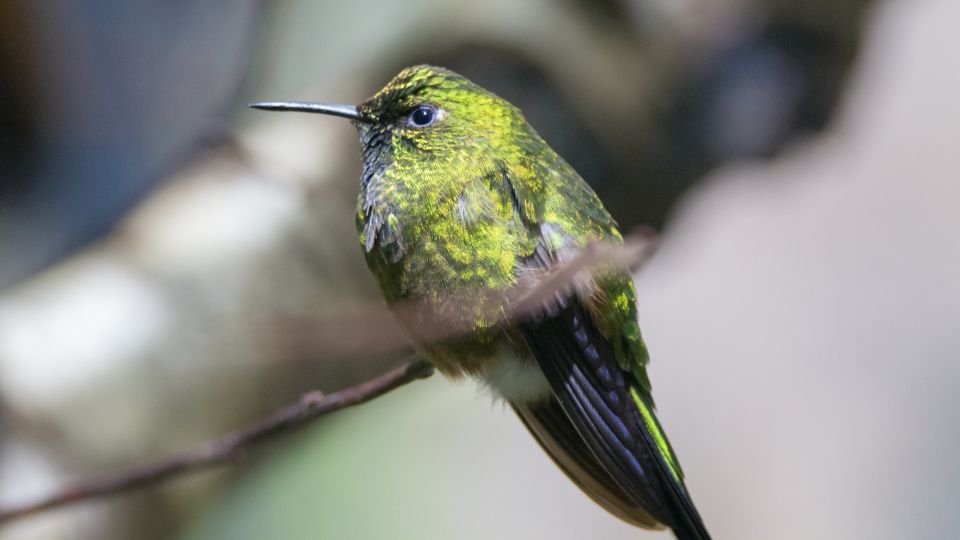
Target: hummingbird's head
(430, 122)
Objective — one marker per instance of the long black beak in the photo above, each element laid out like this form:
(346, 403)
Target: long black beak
(343, 111)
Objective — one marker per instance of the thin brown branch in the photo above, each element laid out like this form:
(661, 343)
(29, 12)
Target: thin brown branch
(529, 298)
(345, 333)
(219, 452)
(524, 300)
(432, 320)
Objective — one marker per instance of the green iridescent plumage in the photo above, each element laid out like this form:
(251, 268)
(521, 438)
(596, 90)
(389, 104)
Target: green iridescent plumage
(459, 195)
(438, 219)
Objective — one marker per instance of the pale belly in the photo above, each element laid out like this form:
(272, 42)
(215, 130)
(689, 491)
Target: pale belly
(514, 378)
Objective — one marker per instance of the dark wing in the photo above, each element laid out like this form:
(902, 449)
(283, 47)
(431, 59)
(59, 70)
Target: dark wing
(610, 412)
(558, 438)
(590, 349)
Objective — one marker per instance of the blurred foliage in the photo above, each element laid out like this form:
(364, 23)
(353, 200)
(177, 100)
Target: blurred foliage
(100, 104)
(101, 101)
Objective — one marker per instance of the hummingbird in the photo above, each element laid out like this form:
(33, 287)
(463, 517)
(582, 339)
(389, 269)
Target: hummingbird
(458, 193)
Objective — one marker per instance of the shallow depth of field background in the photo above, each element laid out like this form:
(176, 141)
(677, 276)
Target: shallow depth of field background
(171, 262)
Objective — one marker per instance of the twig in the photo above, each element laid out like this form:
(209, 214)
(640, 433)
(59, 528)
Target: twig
(344, 333)
(528, 298)
(312, 405)
(434, 321)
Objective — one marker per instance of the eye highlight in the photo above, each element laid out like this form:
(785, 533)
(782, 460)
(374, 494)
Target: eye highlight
(421, 117)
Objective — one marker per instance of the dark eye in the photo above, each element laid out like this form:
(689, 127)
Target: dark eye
(422, 116)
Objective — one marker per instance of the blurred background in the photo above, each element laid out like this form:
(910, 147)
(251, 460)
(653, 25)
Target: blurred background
(171, 262)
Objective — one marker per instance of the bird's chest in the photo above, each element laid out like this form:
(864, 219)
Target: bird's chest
(439, 245)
